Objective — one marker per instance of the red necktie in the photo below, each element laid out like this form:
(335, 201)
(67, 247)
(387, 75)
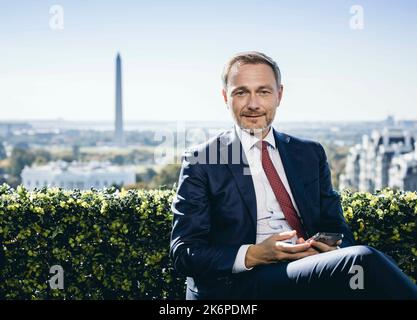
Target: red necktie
(280, 192)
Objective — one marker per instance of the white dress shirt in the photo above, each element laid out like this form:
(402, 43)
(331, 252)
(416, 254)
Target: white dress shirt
(266, 203)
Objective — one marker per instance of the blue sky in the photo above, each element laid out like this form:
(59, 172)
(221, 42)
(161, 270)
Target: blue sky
(173, 53)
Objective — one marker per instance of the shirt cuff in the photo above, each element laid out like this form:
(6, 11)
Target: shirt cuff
(239, 265)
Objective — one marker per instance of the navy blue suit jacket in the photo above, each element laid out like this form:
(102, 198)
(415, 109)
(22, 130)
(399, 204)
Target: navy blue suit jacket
(214, 210)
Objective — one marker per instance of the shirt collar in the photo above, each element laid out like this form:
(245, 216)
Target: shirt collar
(248, 140)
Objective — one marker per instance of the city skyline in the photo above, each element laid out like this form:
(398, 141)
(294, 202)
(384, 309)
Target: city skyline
(174, 54)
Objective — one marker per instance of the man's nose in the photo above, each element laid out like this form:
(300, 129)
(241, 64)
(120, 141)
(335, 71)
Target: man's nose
(253, 102)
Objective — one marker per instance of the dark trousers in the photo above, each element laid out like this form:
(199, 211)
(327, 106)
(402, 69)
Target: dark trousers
(357, 272)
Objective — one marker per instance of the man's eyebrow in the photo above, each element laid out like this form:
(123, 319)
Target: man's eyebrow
(243, 88)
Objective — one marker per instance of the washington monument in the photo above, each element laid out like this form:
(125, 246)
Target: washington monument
(118, 133)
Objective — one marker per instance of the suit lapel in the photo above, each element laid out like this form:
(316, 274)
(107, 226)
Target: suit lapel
(294, 180)
(231, 153)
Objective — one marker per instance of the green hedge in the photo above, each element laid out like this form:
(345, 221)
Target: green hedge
(114, 245)
(111, 245)
(385, 220)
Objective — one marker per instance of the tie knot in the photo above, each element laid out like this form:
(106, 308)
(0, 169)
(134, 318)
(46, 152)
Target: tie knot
(262, 145)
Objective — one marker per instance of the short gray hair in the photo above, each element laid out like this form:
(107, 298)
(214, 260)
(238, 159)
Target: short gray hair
(251, 57)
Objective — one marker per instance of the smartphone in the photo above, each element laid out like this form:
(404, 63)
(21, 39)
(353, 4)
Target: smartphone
(327, 237)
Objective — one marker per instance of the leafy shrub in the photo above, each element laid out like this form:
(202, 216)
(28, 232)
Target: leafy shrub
(387, 221)
(114, 245)
(111, 245)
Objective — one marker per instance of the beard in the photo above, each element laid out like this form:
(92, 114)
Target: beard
(260, 127)
(257, 132)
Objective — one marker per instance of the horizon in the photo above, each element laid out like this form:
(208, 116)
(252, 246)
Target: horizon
(4, 121)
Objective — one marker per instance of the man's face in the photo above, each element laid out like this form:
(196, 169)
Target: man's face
(252, 95)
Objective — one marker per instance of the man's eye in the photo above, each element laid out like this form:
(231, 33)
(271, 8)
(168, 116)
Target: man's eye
(265, 92)
(240, 93)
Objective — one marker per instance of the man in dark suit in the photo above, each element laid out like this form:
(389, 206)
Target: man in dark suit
(248, 200)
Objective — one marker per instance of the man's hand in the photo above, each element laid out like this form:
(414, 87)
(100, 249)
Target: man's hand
(322, 247)
(273, 250)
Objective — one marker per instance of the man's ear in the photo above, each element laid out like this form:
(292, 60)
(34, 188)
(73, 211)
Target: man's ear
(281, 89)
(224, 93)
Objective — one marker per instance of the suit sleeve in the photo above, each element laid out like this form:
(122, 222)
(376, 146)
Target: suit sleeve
(191, 249)
(331, 215)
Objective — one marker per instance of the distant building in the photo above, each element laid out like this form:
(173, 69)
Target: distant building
(118, 133)
(403, 171)
(390, 121)
(7, 128)
(77, 175)
(352, 170)
(368, 164)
